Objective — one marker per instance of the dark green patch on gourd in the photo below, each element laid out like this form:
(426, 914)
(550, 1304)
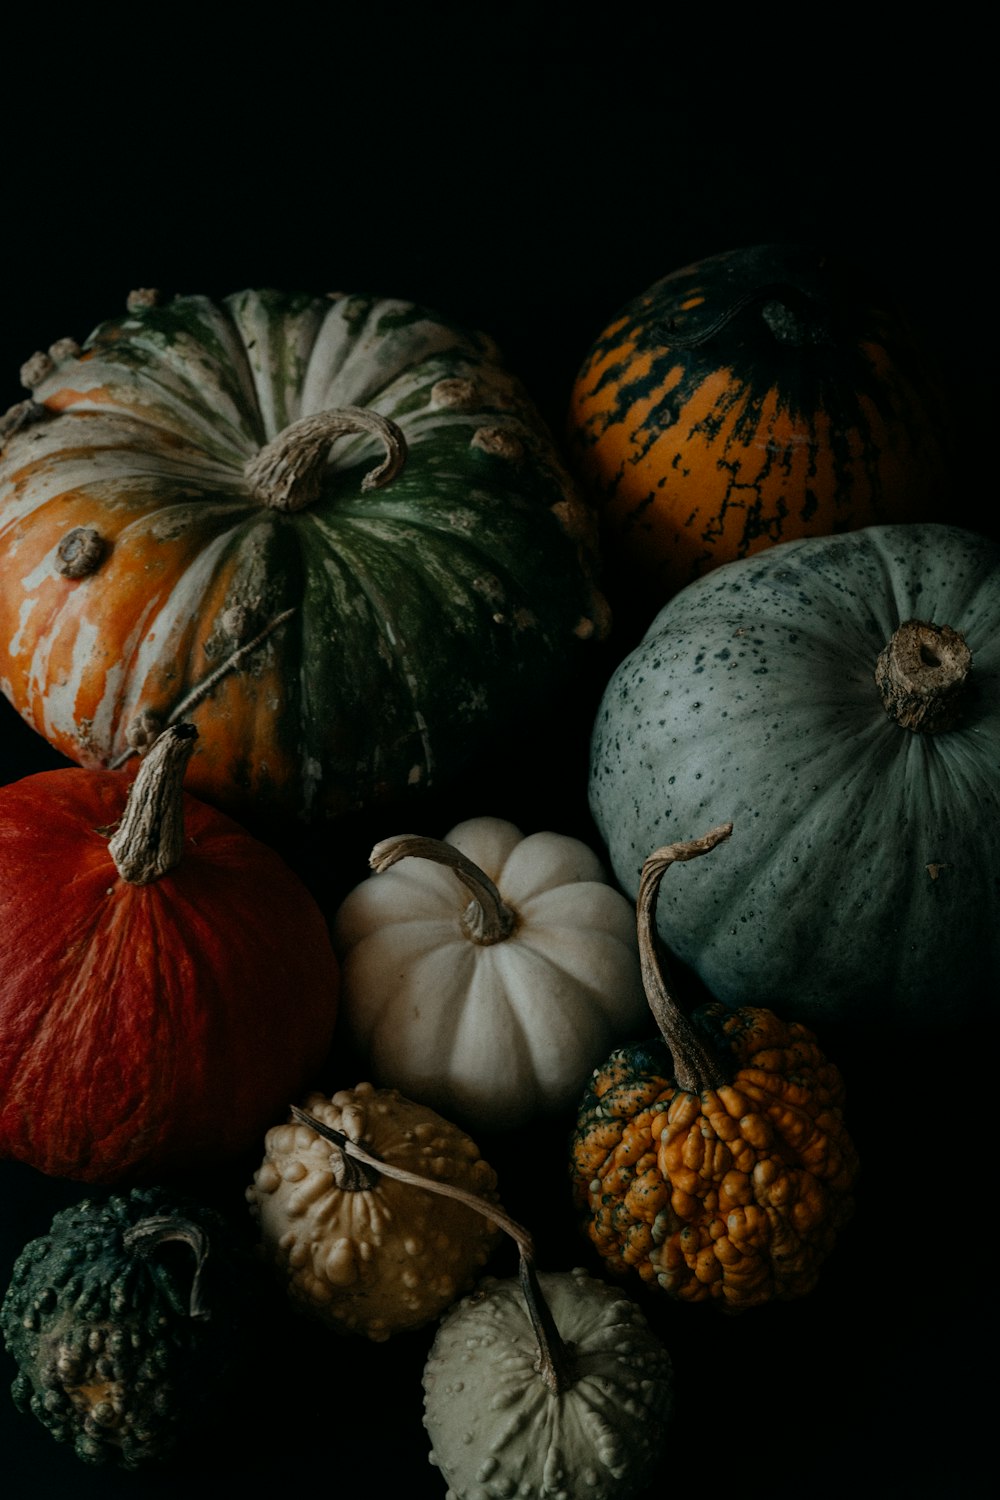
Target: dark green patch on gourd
(114, 1352)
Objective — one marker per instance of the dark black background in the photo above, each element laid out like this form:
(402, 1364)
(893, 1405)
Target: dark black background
(529, 180)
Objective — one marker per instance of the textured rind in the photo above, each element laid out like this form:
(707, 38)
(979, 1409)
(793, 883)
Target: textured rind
(491, 1035)
(707, 432)
(147, 1028)
(379, 1260)
(426, 612)
(735, 1196)
(496, 1429)
(108, 1356)
(861, 880)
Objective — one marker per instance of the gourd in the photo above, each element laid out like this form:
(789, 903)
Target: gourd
(487, 973)
(356, 1247)
(756, 396)
(714, 1163)
(126, 1319)
(552, 1386)
(162, 990)
(855, 751)
(177, 540)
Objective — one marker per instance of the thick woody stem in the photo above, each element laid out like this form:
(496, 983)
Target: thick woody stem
(288, 473)
(696, 1067)
(149, 840)
(555, 1361)
(922, 676)
(487, 919)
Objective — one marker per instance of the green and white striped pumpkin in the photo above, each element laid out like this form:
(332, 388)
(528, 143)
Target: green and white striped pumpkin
(176, 535)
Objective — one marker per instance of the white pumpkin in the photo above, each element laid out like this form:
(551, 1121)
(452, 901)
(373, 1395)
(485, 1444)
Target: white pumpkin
(491, 989)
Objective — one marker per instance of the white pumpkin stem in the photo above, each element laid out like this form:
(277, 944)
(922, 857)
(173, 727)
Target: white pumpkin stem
(149, 840)
(696, 1067)
(487, 919)
(288, 473)
(555, 1360)
(922, 676)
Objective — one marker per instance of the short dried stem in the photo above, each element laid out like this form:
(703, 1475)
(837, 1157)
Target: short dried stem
(922, 675)
(149, 840)
(288, 473)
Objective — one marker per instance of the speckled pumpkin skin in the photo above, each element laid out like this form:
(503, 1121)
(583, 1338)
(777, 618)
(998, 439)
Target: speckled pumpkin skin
(862, 879)
(425, 613)
(757, 396)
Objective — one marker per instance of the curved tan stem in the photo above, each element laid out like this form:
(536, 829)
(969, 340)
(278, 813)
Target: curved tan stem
(487, 919)
(149, 840)
(696, 1067)
(555, 1360)
(288, 473)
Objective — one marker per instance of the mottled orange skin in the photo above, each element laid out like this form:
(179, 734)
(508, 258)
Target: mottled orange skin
(735, 1195)
(698, 453)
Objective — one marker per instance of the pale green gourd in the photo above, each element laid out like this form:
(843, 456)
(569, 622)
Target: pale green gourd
(503, 1422)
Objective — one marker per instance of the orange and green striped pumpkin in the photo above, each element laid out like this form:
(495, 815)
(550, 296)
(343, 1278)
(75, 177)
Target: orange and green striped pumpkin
(177, 539)
(754, 397)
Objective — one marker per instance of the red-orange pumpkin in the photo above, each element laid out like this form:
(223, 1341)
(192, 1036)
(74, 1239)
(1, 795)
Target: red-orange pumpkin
(152, 1014)
(753, 397)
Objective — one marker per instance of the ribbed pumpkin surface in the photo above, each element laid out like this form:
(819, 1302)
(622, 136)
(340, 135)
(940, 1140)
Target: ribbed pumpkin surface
(424, 612)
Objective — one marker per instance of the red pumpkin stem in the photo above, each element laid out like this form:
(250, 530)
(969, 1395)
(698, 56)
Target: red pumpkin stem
(487, 919)
(922, 675)
(149, 840)
(696, 1067)
(555, 1361)
(288, 473)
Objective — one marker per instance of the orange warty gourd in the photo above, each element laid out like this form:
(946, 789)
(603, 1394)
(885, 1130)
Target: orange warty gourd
(756, 396)
(715, 1164)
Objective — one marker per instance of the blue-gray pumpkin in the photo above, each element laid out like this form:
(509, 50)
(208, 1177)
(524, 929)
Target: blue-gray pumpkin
(838, 700)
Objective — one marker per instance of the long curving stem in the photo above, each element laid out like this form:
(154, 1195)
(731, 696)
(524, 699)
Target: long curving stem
(288, 473)
(696, 1067)
(555, 1359)
(487, 919)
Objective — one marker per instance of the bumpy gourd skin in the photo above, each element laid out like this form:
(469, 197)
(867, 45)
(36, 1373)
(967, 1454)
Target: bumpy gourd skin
(110, 1357)
(379, 1258)
(735, 1195)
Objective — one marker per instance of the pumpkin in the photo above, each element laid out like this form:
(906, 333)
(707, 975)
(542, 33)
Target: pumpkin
(355, 1246)
(863, 885)
(122, 1340)
(162, 991)
(574, 1402)
(714, 1164)
(177, 540)
(754, 397)
(485, 974)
